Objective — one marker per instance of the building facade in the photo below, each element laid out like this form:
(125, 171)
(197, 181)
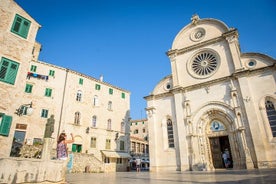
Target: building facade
(216, 100)
(139, 147)
(35, 92)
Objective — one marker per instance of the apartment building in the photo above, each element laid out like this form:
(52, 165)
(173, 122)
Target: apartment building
(33, 91)
(139, 143)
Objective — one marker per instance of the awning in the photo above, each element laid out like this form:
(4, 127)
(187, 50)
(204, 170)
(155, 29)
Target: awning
(116, 154)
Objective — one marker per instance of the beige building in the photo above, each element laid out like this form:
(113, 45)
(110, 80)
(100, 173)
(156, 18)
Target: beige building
(139, 143)
(216, 100)
(32, 92)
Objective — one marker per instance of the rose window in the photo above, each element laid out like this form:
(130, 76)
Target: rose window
(204, 64)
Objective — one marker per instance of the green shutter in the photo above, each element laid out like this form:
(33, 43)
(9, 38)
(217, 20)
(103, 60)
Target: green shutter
(5, 125)
(8, 70)
(28, 88)
(48, 92)
(21, 26)
(74, 148)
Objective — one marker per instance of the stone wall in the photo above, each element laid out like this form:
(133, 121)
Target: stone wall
(27, 170)
(86, 163)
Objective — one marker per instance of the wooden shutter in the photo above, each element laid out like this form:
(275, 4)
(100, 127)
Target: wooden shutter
(5, 125)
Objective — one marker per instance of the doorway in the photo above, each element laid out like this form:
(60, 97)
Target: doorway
(17, 143)
(219, 145)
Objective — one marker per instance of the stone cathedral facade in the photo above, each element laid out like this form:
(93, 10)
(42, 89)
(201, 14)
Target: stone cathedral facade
(216, 100)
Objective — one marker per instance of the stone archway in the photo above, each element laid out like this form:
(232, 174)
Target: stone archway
(217, 131)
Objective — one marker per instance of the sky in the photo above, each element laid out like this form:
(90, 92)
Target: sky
(126, 40)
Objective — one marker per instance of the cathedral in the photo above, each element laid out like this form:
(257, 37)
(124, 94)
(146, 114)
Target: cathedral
(216, 100)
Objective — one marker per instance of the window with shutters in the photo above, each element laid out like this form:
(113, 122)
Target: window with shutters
(8, 70)
(48, 92)
(21, 26)
(81, 81)
(52, 73)
(33, 68)
(28, 88)
(44, 113)
(110, 91)
(5, 124)
(98, 87)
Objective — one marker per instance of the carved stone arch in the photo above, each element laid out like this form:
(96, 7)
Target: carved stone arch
(211, 110)
(202, 120)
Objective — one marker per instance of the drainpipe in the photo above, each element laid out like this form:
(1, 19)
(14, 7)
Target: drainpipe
(62, 104)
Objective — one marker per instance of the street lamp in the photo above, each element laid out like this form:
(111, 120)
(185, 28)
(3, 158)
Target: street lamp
(25, 109)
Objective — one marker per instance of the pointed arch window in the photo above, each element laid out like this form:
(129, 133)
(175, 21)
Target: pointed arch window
(79, 94)
(94, 121)
(271, 115)
(77, 118)
(109, 124)
(170, 133)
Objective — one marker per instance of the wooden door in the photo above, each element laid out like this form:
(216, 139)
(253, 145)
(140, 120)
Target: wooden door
(216, 152)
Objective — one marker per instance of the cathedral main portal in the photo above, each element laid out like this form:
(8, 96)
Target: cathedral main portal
(219, 146)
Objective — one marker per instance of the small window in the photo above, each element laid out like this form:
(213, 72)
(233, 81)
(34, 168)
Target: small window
(119, 160)
(109, 106)
(107, 144)
(106, 160)
(109, 124)
(110, 91)
(8, 70)
(123, 95)
(33, 68)
(52, 73)
(96, 100)
(81, 81)
(79, 95)
(21, 26)
(48, 92)
(77, 118)
(28, 88)
(5, 124)
(122, 145)
(44, 113)
(94, 121)
(93, 142)
(98, 87)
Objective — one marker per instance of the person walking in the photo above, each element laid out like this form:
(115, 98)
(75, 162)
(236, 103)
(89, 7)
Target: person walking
(138, 165)
(62, 142)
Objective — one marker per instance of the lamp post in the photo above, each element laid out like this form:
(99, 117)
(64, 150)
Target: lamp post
(25, 109)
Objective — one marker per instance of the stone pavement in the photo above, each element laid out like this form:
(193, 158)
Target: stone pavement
(258, 176)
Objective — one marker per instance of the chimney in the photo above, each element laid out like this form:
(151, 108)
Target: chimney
(101, 78)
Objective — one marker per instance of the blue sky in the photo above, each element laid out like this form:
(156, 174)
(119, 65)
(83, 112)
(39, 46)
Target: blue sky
(126, 40)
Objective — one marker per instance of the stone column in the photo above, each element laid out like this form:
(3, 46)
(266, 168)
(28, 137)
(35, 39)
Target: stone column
(47, 148)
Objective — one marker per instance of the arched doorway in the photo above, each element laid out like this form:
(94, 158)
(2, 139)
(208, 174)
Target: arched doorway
(220, 139)
(220, 148)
